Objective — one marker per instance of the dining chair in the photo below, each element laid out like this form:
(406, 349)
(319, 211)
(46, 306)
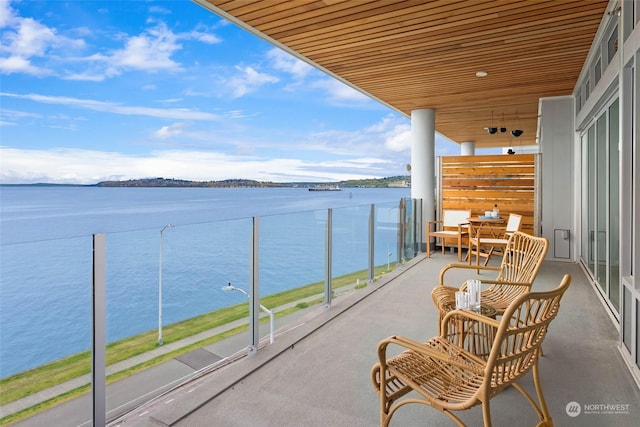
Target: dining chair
(454, 225)
(493, 238)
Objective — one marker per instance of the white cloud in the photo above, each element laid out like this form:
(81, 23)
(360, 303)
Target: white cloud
(282, 61)
(160, 10)
(150, 51)
(175, 129)
(30, 39)
(110, 107)
(249, 80)
(7, 15)
(16, 64)
(340, 92)
(203, 37)
(89, 167)
(398, 139)
(15, 114)
(25, 40)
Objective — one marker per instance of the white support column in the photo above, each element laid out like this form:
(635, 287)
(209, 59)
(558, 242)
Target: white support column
(423, 135)
(467, 148)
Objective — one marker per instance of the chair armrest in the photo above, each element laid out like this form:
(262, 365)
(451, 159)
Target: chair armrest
(504, 282)
(426, 350)
(465, 226)
(448, 267)
(429, 223)
(443, 294)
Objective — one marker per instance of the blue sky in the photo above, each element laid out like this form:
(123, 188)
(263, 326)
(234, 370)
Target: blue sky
(100, 90)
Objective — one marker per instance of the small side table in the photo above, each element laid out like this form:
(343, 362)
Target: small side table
(469, 334)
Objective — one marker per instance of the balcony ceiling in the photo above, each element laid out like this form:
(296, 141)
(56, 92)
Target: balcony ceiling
(412, 54)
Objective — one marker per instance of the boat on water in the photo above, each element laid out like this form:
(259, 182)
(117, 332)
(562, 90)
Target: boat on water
(325, 188)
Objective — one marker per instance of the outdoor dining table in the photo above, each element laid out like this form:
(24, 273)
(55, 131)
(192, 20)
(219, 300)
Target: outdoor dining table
(487, 221)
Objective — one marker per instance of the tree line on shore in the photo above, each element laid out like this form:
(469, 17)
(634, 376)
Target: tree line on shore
(249, 183)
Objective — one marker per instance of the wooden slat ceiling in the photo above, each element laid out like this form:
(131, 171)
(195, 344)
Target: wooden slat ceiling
(414, 54)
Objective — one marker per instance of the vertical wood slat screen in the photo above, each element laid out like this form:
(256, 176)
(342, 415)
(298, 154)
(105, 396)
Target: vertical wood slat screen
(480, 182)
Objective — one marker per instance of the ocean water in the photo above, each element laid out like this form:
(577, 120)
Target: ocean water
(46, 255)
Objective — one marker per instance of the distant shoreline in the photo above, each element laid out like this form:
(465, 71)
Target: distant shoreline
(389, 182)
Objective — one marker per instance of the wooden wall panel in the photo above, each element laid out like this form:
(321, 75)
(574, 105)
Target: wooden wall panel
(480, 182)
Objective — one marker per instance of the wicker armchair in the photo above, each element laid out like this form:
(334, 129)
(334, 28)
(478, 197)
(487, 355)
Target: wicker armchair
(449, 378)
(521, 260)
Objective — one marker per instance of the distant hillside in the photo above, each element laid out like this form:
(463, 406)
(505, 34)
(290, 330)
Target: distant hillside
(163, 182)
(395, 181)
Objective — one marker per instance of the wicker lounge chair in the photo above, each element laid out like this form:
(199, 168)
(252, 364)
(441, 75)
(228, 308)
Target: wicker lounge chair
(521, 260)
(449, 377)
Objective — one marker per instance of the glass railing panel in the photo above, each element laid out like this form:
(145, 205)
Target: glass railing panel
(291, 265)
(153, 342)
(197, 261)
(350, 253)
(387, 227)
(410, 232)
(45, 318)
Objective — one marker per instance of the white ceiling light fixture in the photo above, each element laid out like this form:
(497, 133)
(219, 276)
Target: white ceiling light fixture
(481, 74)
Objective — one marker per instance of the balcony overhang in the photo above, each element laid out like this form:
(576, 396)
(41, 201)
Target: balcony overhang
(418, 54)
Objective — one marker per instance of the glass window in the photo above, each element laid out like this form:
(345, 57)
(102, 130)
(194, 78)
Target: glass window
(597, 72)
(612, 45)
(578, 103)
(586, 90)
(626, 320)
(584, 200)
(614, 208)
(601, 201)
(589, 199)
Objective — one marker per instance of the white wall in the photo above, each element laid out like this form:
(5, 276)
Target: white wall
(557, 216)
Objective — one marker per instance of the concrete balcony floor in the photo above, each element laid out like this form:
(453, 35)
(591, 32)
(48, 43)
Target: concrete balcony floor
(318, 374)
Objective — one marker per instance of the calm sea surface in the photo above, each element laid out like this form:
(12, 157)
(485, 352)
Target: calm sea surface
(46, 255)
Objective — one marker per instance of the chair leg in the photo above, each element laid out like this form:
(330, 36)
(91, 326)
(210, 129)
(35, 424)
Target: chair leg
(428, 246)
(486, 414)
(541, 406)
(488, 256)
(546, 417)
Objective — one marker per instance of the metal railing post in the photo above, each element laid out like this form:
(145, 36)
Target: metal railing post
(98, 345)
(328, 243)
(254, 291)
(372, 229)
(400, 231)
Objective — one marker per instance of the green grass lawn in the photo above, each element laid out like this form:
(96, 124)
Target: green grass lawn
(32, 381)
